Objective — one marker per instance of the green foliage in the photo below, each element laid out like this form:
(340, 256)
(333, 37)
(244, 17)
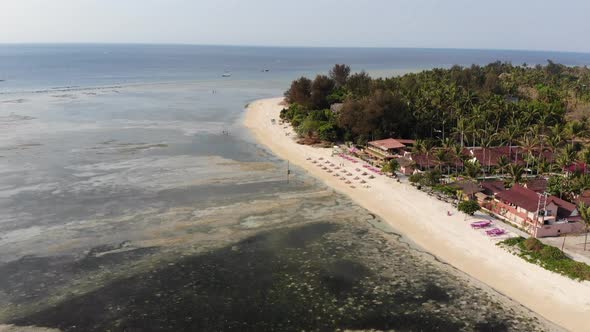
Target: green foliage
(431, 178)
(308, 127)
(416, 178)
(337, 96)
(447, 190)
(391, 167)
(513, 241)
(473, 169)
(557, 185)
(551, 253)
(548, 257)
(468, 207)
(467, 104)
(327, 132)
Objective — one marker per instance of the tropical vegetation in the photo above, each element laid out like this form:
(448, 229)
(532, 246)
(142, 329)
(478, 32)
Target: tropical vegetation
(549, 257)
(542, 110)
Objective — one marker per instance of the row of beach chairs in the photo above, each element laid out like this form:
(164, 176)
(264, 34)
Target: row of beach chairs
(493, 232)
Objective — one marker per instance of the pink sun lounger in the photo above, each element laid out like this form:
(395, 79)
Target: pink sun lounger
(481, 224)
(496, 232)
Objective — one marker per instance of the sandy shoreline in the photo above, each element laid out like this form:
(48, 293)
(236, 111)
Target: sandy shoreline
(424, 220)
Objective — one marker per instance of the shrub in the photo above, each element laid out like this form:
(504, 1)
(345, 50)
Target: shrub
(550, 258)
(431, 178)
(513, 241)
(447, 190)
(549, 252)
(468, 207)
(416, 178)
(533, 244)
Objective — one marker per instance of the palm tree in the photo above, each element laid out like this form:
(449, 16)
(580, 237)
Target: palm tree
(528, 145)
(461, 127)
(566, 158)
(515, 172)
(510, 134)
(576, 129)
(585, 214)
(584, 156)
(553, 142)
(543, 166)
(473, 169)
(443, 158)
(428, 146)
(563, 161)
(457, 156)
(502, 164)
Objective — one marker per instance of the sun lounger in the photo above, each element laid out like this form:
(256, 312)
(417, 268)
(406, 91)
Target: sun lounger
(496, 232)
(481, 224)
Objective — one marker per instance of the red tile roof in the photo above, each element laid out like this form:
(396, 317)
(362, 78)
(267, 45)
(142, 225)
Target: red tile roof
(405, 141)
(564, 208)
(521, 197)
(537, 185)
(493, 187)
(387, 144)
(468, 188)
(529, 200)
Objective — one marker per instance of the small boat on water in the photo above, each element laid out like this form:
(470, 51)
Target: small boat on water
(226, 74)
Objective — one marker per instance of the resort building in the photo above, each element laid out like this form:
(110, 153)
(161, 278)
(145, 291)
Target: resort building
(491, 188)
(541, 215)
(386, 149)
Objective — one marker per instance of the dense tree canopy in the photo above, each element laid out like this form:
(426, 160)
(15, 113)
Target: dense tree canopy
(487, 105)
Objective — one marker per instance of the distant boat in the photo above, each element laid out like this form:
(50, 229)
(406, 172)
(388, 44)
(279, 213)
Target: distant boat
(226, 74)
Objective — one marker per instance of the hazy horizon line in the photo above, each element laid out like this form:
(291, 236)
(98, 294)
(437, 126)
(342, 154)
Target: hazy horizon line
(297, 46)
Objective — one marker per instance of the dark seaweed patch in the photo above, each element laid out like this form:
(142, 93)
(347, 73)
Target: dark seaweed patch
(320, 277)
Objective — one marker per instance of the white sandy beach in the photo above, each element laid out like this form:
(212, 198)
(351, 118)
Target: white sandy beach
(424, 220)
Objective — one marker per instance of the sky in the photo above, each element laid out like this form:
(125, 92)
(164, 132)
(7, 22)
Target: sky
(484, 24)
